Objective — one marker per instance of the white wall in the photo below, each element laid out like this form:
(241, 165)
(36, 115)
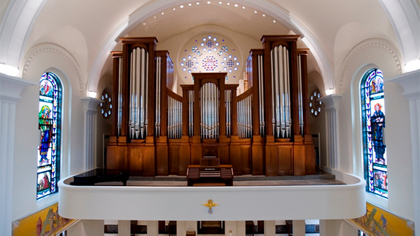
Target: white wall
(377, 54)
(39, 60)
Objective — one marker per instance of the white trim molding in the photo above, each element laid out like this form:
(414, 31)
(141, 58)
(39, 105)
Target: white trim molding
(10, 90)
(405, 19)
(410, 82)
(90, 109)
(331, 109)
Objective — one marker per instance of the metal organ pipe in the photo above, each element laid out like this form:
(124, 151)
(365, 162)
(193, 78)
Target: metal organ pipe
(119, 117)
(273, 104)
(158, 95)
(210, 102)
(228, 95)
(191, 113)
(138, 91)
(146, 90)
(280, 77)
(261, 95)
(300, 98)
(287, 95)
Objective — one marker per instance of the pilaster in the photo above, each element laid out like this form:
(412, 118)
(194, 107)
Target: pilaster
(90, 110)
(331, 108)
(410, 82)
(10, 90)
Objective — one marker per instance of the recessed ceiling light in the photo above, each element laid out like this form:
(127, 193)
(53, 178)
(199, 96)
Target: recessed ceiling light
(208, 2)
(263, 15)
(154, 17)
(274, 21)
(236, 5)
(144, 23)
(182, 6)
(220, 3)
(228, 4)
(255, 12)
(173, 8)
(162, 13)
(243, 7)
(198, 3)
(189, 4)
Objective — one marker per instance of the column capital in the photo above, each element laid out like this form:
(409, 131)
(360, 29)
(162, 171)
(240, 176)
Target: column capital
(11, 87)
(90, 104)
(410, 82)
(331, 101)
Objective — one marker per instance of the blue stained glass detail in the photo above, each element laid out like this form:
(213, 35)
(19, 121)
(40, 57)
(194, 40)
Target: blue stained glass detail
(374, 148)
(230, 63)
(49, 120)
(209, 44)
(189, 64)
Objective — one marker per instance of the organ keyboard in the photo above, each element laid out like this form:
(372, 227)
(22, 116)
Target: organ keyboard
(208, 176)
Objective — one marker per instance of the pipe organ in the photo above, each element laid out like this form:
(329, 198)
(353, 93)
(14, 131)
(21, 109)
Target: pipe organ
(264, 130)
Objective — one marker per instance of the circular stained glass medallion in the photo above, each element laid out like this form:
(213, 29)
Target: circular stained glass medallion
(106, 105)
(314, 104)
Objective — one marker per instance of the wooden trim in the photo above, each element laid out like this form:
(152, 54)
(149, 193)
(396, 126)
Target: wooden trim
(173, 95)
(244, 95)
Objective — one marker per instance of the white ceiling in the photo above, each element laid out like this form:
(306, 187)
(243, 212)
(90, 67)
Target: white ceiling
(96, 20)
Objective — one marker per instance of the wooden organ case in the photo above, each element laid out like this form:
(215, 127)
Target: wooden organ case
(263, 131)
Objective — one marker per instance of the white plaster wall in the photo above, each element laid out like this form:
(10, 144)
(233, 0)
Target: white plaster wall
(366, 55)
(56, 60)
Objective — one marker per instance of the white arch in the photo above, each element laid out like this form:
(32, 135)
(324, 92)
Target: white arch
(404, 16)
(275, 11)
(18, 20)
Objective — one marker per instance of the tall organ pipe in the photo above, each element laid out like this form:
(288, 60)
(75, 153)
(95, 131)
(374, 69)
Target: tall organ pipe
(273, 104)
(157, 110)
(138, 91)
(119, 121)
(261, 94)
(146, 105)
(300, 98)
(280, 77)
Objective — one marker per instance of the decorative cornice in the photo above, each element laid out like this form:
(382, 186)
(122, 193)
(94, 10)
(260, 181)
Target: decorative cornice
(360, 48)
(55, 49)
(90, 104)
(410, 82)
(11, 87)
(331, 101)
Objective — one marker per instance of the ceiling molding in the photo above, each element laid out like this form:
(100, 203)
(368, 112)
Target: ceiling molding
(45, 48)
(361, 47)
(274, 11)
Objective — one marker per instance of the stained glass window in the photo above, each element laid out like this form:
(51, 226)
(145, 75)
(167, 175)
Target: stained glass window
(49, 123)
(209, 54)
(373, 118)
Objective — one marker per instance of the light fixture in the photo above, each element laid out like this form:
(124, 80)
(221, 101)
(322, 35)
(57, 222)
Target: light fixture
(9, 70)
(92, 94)
(412, 66)
(329, 91)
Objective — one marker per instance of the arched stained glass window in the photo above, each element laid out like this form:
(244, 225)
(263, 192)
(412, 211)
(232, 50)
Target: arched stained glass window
(49, 125)
(373, 120)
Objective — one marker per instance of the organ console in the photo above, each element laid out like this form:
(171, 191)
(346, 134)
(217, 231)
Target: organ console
(263, 131)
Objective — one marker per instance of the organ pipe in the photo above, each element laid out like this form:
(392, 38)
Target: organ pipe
(300, 98)
(138, 93)
(191, 113)
(158, 94)
(261, 94)
(209, 111)
(280, 76)
(245, 117)
(119, 116)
